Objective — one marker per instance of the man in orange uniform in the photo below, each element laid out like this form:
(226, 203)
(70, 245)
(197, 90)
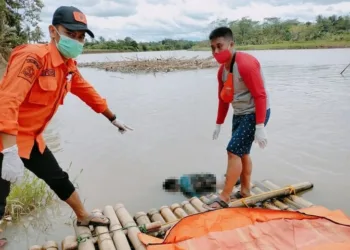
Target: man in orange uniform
(36, 81)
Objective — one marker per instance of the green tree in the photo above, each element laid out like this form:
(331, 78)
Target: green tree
(36, 35)
(16, 18)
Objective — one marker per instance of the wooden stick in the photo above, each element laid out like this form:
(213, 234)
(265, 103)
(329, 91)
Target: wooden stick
(345, 69)
(272, 194)
(118, 235)
(69, 243)
(85, 233)
(50, 245)
(291, 199)
(127, 222)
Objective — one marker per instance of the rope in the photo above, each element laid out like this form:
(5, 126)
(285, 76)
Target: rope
(81, 239)
(292, 190)
(143, 229)
(243, 200)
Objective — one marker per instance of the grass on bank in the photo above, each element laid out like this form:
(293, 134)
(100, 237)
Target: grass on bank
(28, 196)
(31, 194)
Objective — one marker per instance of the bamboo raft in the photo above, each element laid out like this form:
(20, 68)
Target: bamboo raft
(123, 229)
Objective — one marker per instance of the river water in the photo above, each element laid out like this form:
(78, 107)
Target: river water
(174, 115)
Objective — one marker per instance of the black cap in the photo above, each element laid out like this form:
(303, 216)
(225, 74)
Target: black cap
(72, 19)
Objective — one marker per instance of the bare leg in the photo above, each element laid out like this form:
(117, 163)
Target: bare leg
(234, 169)
(246, 175)
(75, 203)
(3, 242)
(45, 166)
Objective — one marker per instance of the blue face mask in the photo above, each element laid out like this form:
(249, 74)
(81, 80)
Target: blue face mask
(68, 47)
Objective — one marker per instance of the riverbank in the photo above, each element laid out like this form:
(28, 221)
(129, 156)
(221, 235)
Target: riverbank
(276, 46)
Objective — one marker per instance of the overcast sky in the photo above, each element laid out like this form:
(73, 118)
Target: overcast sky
(153, 20)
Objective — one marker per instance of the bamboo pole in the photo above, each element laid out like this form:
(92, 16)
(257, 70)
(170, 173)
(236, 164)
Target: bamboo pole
(268, 204)
(286, 200)
(197, 204)
(204, 199)
(142, 220)
(272, 194)
(104, 239)
(189, 209)
(118, 235)
(128, 222)
(167, 214)
(50, 245)
(178, 211)
(154, 215)
(210, 197)
(294, 200)
(85, 234)
(279, 204)
(36, 247)
(69, 243)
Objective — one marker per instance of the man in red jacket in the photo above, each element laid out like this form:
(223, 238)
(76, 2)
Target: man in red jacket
(242, 85)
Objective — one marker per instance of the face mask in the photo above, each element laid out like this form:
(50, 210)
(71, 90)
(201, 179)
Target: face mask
(69, 48)
(223, 56)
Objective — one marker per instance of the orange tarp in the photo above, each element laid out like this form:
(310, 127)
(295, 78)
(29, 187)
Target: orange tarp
(248, 228)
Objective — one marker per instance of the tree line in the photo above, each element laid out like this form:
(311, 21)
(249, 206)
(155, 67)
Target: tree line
(19, 21)
(129, 44)
(246, 31)
(19, 24)
(274, 30)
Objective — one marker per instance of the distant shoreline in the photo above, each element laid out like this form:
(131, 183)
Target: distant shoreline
(277, 46)
(288, 46)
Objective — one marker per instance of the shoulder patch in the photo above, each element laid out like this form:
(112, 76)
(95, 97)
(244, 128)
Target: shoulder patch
(30, 69)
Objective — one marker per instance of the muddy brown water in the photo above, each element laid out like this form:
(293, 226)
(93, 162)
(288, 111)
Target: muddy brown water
(174, 115)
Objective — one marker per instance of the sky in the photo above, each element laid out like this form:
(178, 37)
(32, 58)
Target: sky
(154, 20)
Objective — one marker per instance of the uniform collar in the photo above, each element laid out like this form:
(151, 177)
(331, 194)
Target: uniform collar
(57, 59)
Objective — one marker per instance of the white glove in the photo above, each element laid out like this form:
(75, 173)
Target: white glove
(216, 131)
(12, 165)
(121, 126)
(261, 135)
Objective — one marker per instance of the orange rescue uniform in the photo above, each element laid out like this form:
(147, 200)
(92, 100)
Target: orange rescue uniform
(35, 83)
